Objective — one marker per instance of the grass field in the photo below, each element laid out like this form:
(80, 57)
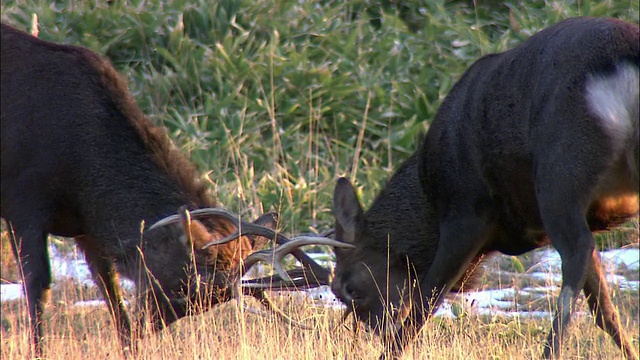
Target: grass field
(273, 100)
(228, 332)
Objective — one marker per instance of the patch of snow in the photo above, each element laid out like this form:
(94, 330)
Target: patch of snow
(75, 267)
(9, 292)
(94, 303)
(514, 314)
(629, 257)
(69, 267)
(548, 260)
(492, 298)
(542, 289)
(622, 283)
(549, 276)
(90, 303)
(445, 310)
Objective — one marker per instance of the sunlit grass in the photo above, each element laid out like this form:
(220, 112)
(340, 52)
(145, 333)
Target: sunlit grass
(230, 332)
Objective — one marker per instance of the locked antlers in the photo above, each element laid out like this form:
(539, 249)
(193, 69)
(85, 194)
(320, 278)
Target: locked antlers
(311, 274)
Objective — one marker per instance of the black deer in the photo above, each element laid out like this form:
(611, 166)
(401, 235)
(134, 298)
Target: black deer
(79, 159)
(534, 146)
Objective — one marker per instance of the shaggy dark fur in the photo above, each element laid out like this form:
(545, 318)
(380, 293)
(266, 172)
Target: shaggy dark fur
(533, 146)
(79, 159)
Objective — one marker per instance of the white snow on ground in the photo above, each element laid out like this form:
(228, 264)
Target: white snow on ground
(550, 277)
(548, 261)
(629, 257)
(93, 303)
(494, 298)
(74, 267)
(10, 292)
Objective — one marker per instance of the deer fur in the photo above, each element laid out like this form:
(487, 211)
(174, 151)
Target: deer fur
(79, 159)
(537, 145)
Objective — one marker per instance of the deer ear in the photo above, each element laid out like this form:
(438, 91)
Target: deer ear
(200, 235)
(195, 233)
(269, 220)
(348, 212)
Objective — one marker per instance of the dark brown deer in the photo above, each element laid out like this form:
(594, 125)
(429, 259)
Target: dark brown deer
(537, 145)
(79, 159)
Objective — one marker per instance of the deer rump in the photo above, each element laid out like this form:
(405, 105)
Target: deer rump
(532, 146)
(79, 159)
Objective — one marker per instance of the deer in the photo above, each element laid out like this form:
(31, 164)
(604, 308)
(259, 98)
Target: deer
(534, 146)
(80, 160)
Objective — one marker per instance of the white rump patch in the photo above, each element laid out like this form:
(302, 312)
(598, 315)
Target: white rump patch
(614, 99)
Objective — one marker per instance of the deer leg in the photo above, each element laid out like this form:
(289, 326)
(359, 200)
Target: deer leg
(106, 278)
(565, 186)
(574, 263)
(565, 224)
(33, 256)
(450, 262)
(596, 291)
(155, 308)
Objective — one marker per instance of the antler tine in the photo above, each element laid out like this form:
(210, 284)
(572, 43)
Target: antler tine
(328, 233)
(291, 246)
(268, 256)
(306, 261)
(274, 256)
(198, 214)
(287, 280)
(244, 228)
(252, 229)
(300, 279)
(249, 229)
(310, 263)
(302, 257)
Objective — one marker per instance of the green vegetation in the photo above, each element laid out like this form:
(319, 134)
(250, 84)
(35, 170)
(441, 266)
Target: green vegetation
(274, 99)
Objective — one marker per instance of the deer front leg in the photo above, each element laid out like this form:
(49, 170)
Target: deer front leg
(461, 239)
(30, 246)
(105, 276)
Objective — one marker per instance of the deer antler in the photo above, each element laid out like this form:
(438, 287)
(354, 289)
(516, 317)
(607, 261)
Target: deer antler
(310, 275)
(273, 256)
(318, 271)
(209, 212)
(245, 228)
(285, 280)
(297, 279)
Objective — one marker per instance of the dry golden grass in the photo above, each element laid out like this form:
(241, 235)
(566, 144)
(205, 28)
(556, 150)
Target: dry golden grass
(228, 332)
